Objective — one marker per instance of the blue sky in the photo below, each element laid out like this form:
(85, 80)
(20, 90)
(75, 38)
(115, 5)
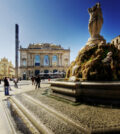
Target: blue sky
(63, 22)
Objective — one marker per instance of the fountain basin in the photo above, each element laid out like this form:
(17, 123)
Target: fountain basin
(76, 91)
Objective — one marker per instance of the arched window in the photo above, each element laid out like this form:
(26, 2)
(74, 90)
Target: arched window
(46, 60)
(54, 60)
(37, 60)
(24, 62)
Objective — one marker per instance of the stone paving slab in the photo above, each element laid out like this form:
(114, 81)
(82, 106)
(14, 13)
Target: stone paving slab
(4, 124)
(51, 121)
(95, 117)
(5, 127)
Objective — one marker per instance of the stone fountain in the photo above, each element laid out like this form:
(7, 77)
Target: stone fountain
(95, 73)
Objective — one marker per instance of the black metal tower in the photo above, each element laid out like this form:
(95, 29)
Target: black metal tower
(16, 49)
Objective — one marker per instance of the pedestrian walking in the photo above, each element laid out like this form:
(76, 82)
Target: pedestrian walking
(15, 82)
(6, 86)
(38, 80)
(32, 79)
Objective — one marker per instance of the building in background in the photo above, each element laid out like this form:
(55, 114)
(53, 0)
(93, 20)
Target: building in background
(116, 41)
(6, 69)
(43, 58)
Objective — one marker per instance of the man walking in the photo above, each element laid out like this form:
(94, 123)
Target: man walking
(38, 80)
(15, 82)
(6, 86)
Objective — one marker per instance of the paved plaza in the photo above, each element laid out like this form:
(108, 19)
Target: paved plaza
(55, 113)
(23, 86)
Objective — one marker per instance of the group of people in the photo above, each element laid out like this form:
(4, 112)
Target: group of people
(36, 81)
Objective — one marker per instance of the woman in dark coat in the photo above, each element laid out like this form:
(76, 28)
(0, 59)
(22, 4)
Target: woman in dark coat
(6, 86)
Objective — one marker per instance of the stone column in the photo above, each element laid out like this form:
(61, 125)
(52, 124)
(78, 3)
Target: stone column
(26, 73)
(50, 56)
(32, 64)
(27, 60)
(32, 59)
(41, 60)
(59, 60)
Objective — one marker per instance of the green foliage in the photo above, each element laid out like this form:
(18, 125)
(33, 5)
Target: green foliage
(105, 53)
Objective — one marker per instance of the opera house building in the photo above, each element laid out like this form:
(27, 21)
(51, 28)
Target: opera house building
(43, 58)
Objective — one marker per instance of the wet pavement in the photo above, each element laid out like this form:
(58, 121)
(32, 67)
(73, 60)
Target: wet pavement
(5, 126)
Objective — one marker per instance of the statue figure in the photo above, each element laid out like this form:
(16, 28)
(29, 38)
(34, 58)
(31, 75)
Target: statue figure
(95, 21)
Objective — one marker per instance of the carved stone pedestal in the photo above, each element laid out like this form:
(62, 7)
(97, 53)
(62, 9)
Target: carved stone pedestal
(95, 40)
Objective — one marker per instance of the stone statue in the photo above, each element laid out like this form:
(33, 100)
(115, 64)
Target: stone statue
(95, 24)
(96, 20)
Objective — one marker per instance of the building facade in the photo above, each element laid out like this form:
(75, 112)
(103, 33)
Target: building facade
(43, 58)
(116, 41)
(6, 69)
